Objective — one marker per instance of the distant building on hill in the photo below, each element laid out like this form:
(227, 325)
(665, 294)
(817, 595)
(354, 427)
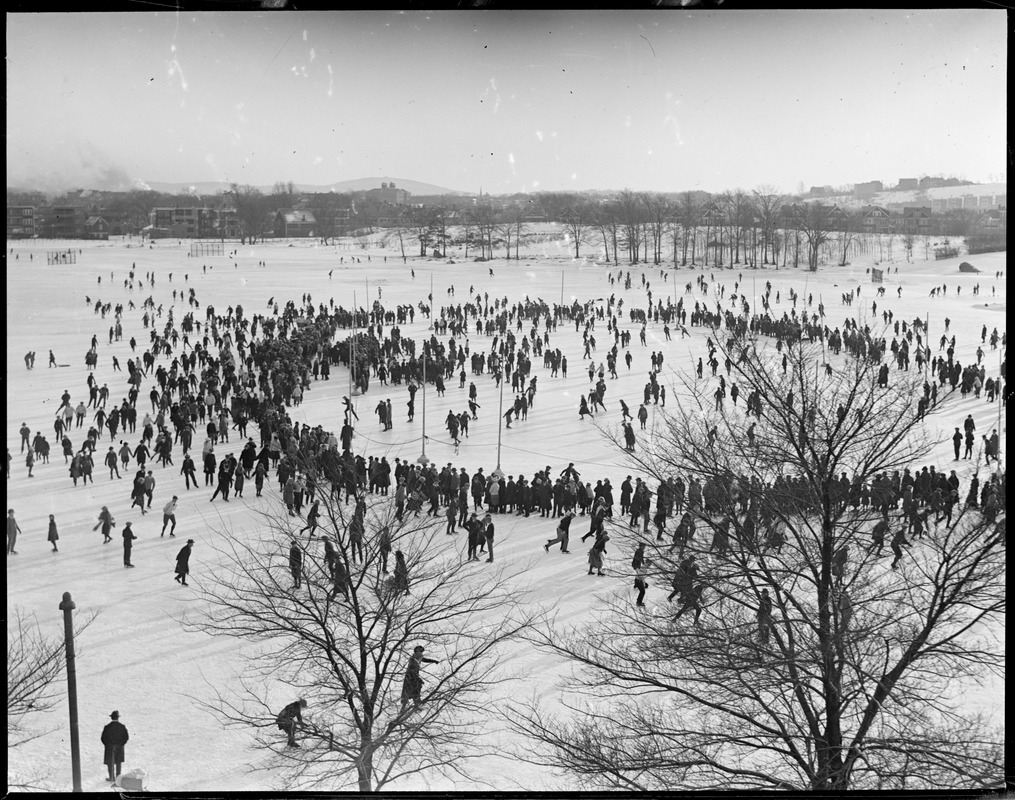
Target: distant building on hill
(388, 193)
(869, 188)
(907, 184)
(936, 182)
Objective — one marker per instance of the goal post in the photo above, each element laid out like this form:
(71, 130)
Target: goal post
(207, 249)
(61, 257)
(877, 275)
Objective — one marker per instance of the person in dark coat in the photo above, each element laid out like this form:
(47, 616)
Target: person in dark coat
(957, 443)
(563, 533)
(107, 523)
(296, 563)
(596, 555)
(487, 533)
(53, 536)
(289, 717)
(638, 564)
(183, 562)
(764, 615)
(474, 531)
(626, 490)
(128, 544)
(400, 581)
(114, 739)
(384, 547)
(412, 684)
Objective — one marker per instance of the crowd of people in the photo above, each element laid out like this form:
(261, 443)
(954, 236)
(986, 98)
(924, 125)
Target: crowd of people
(213, 376)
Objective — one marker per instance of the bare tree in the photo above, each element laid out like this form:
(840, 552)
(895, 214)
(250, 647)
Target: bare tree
(399, 232)
(467, 228)
(331, 211)
(505, 231)
(768, 204)
(606, 220)
(439, 228)
(631, 215)
(420, 228)
(486, 224)
(35, 665)
(520, 227)
(283, 194)
(813, 664)
(659, 212)
(576, 219)
(908, 242)
(250, 211)
(690, 215)
(815, 222)
(848, 236)
(343, 637)
(738, 211)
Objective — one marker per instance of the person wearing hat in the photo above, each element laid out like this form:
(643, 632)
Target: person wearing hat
(683, 579)
(412, 685)
(106, 523)
(114, 738)
(638, 564)
(112, 462)
(13, 529)
(475, 534)
(169, 515)
(626, 491)
(183, 562)
(128, 544)
(563, 532)
(487, 531)
(53, 536)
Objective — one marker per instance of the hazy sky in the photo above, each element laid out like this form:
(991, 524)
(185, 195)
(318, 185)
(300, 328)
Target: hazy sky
(507, 101)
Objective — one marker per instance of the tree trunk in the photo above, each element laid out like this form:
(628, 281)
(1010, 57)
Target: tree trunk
(365, 766)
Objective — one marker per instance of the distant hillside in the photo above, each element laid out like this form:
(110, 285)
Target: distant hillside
(355, 185)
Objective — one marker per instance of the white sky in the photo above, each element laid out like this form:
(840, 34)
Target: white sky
(510, 101)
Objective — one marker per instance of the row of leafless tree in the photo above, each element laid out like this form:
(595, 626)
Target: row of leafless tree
(733, 229)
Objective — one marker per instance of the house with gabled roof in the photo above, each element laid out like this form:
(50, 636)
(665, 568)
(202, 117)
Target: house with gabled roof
(916, 220)
(96, 227)
(292, 224)
(994, 219)
(875, 219)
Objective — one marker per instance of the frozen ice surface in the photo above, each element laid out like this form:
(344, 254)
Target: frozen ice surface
(135, 658)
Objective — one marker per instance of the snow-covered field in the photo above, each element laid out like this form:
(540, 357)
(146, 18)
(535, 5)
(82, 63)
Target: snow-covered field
(135, 658)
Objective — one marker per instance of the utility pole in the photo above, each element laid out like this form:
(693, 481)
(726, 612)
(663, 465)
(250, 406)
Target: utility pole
(423, 460)
(67, 606)
(431, 314)
(1000, 404)
(352, 347)
(498, 473)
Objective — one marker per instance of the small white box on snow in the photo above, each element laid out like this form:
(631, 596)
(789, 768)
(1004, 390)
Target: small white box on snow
(136, 780)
